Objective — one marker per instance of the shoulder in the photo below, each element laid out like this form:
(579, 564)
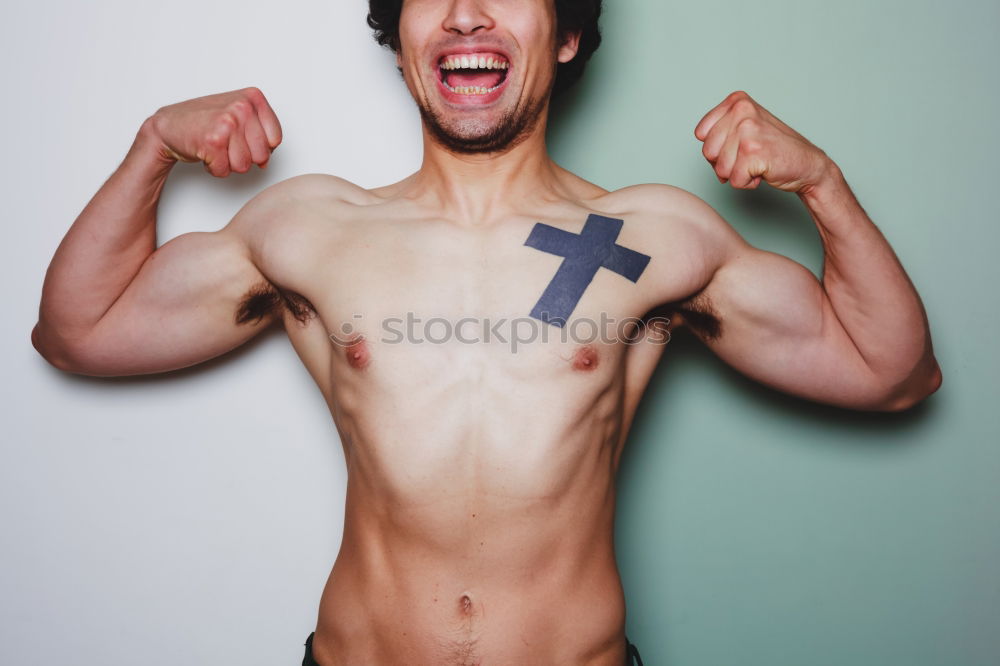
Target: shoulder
(664, 203)
(310, 188)
(279, 229)
(667, 212)
(693, 239)
(296, 199)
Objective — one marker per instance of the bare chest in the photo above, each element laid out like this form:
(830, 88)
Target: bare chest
(404, 303)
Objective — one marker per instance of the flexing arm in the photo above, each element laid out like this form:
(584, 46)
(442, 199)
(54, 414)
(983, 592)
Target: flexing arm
(114, 304)
(859, 337)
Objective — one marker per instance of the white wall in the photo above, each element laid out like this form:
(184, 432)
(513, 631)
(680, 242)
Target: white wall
(188, 518)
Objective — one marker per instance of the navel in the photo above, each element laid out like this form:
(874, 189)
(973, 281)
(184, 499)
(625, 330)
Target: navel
(586, 358)
(465, 606)
(357, 354)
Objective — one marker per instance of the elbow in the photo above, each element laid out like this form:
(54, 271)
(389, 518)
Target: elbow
(56, 354)
(915, 390)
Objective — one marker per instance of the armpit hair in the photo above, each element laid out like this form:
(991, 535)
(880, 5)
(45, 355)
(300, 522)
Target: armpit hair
(264, 298)
(698, 313)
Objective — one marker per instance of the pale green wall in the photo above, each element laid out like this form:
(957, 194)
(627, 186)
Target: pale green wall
(757, 529)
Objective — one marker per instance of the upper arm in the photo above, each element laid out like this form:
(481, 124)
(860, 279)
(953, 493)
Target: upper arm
(201, 294)
(181, 308)
(770, 318)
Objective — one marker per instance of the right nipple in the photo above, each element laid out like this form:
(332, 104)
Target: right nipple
(357, 354)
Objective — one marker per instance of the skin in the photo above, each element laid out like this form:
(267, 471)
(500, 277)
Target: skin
(480, 498)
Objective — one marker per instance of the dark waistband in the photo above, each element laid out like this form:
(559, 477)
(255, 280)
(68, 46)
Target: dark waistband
(632, 657)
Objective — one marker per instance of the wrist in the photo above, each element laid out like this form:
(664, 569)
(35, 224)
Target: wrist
(827, 186)
(150, 147)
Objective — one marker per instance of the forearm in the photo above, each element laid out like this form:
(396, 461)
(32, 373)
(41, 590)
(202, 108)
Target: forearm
(104, 248)
(870, 292)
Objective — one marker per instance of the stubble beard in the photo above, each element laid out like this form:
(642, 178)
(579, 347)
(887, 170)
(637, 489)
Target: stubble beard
(474, 136)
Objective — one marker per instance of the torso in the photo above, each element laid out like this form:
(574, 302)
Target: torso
(480, 497)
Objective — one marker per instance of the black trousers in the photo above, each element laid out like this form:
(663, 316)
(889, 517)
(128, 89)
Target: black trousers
(632, 657)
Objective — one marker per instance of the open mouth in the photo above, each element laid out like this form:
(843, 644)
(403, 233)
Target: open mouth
(473, 73)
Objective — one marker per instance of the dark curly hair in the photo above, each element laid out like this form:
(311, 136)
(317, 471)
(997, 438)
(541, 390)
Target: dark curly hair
(571, 16)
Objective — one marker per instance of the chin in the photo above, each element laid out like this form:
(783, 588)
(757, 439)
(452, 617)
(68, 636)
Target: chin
(489, 128)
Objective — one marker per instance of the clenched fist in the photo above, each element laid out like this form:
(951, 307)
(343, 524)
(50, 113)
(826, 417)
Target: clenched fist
(745, 144)
(228, 131)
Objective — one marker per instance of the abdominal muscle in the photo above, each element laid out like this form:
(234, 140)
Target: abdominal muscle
(479, 522)
(524, 591)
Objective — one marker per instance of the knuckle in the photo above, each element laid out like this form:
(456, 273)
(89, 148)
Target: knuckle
(217, 139)
(219, 135)
(240, 108)
(228, 120)
(744, 105)
(748, 125)
(253, 93)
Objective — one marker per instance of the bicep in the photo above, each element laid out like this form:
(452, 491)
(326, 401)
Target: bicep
(769, 318)
(181, 308)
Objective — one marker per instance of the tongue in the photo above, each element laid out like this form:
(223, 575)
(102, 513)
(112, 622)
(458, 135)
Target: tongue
(483, 79)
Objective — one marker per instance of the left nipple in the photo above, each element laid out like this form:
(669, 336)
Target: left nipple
(585, 359)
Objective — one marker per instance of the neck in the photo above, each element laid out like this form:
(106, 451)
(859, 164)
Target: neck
(477, 189)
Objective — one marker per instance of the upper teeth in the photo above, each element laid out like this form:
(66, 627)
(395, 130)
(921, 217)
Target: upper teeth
(470, 61)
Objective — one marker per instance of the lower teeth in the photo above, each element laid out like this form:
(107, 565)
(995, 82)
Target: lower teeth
(471, 90)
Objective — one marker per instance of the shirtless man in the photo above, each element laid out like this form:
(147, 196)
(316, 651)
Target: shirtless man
(481, 478)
